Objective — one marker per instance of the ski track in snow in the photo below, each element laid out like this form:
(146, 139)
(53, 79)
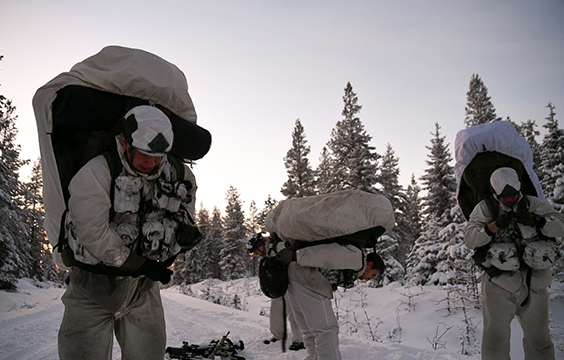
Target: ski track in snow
(31, 336)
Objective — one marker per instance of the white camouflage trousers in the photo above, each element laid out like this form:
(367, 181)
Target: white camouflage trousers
(277, 319)
(499, 307)
(314, 315)
(88, 328)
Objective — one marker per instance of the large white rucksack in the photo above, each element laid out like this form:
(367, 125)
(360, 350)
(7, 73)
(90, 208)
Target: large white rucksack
(347, 216)
(479, 151)
(78, 115)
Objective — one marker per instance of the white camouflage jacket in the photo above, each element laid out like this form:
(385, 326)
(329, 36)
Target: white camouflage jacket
(476, 236)
(97, 239)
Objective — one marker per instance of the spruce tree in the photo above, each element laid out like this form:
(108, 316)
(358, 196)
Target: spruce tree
(528, 130)
(17, 258)
(428, 262)
(325, 179)
(252, 225)
(414, 209)
(552, 152)
(354, 160)
(392, 246)
(301, 177)
(479, 108)
(233, 254)
(43, 267)
(269, 204)
(216, 233)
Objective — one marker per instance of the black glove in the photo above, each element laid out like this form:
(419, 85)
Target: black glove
(136, 266)
(539, 221)
(504, 219)
(188, 236)
(286, 256)
(155, 271)
(523, 216)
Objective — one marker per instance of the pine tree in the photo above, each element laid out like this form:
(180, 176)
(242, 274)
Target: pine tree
(301, 177)
(528, 130)
(233, 254)
(253, 227)
(552, 153)
(414, 209)
(427, 261)
(479, 108)
(216, 234)
(17, 257)
(354, 160)
(43, 268)
(392, 246)
(325, 179)
(269, 204)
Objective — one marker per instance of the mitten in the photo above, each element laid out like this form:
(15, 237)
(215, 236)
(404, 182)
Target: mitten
(188, 236)
(523, 216)
(155, 271)
(504, 219)
(136, 266)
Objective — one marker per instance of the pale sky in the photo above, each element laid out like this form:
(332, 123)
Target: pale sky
(254, 67)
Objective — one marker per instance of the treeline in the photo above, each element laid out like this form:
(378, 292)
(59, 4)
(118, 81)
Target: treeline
(425, 246)
(24, 248)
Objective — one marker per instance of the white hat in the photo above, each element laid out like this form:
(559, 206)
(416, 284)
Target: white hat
(149, 130)
(505, 182)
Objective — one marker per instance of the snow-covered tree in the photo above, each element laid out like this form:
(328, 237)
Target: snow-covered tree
(17, 256)
(413, 210)
(552, 153)
(269, 204)
(301, 177)
(392, 245)
(528, 130)
(43, 267)
(252, 225)
(233, 254)
(215, 237)
(325, 179)
(353, 159)
(428, 262)
(479, 108)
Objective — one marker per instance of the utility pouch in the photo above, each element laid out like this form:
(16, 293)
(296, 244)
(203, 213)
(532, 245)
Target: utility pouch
(503, 256)
(127, 196)
(540, 255)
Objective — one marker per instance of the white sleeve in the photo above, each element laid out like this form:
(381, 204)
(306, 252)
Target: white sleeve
(89, 208)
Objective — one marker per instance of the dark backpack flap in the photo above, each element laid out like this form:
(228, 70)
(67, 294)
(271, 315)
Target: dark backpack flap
(475, 183)
(273, 277)
(362, 239)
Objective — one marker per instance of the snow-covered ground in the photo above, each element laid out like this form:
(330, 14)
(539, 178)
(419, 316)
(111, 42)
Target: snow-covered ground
(405, 323)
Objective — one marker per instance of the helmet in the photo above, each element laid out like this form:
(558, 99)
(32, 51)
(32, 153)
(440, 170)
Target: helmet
(149, 130)
(505, 182)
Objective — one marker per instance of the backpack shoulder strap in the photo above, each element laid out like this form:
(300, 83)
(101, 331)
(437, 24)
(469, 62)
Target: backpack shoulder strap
(114, 162)
(115, 165)
(178, 165)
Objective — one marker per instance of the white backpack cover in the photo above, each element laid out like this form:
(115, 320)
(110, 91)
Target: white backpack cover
(328, 216)
(474, 166)
(115, 73)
